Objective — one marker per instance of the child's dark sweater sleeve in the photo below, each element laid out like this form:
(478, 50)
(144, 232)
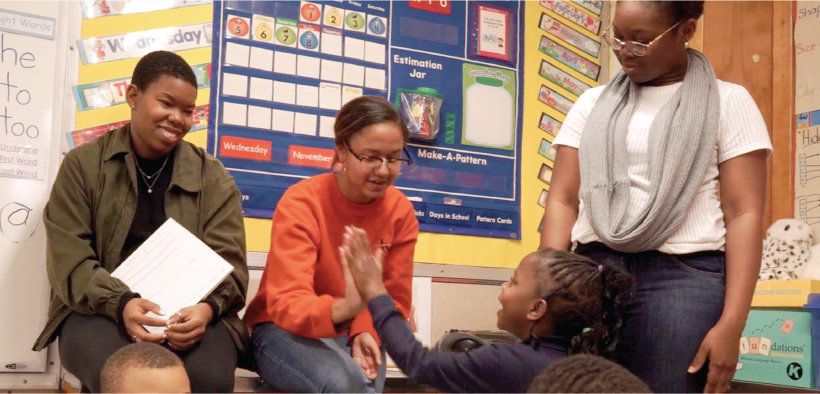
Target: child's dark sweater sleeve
(477, 371)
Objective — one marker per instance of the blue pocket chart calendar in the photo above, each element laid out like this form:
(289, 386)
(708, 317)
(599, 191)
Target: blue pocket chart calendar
(283, 69)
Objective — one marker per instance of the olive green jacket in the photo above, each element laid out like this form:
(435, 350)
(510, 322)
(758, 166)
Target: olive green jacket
(89, 215)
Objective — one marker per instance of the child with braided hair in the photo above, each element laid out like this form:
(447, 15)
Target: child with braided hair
(557, 303)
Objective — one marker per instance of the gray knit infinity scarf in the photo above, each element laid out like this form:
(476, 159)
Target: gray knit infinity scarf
(681, 140)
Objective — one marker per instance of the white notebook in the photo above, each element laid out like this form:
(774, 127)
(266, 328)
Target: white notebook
(173, 269)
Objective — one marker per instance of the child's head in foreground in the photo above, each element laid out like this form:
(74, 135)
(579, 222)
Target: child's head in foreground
(566, 295)
(144, 368)
(584, 373)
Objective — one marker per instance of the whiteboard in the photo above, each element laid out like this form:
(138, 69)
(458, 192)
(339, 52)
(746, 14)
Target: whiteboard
(33, 58)
(807, 106)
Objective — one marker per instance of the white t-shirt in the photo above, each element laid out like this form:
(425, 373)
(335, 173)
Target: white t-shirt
(742, 130)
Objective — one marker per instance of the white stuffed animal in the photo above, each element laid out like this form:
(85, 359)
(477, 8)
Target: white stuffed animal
(812, 270)
(786, 250)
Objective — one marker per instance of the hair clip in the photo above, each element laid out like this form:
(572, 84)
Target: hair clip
(600, 268)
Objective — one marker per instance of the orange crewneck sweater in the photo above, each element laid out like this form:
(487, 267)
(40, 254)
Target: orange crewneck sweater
(303, 275)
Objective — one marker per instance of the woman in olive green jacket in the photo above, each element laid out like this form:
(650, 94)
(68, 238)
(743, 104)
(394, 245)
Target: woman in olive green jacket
(112, 194)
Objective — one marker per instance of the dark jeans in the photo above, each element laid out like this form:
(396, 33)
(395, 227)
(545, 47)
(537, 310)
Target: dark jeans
(87, 341)
(291, 363)
(676, 300)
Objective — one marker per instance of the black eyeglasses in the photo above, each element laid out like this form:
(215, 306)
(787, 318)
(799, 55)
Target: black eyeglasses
(637, 48)
(369, 163)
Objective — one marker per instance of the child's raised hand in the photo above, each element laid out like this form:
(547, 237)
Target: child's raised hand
(364, 266)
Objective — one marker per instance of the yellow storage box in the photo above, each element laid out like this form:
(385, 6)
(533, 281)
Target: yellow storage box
(784, 293)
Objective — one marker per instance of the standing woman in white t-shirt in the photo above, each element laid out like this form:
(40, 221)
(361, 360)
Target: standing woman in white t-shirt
(636, 182)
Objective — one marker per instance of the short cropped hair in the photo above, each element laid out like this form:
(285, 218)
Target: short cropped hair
(156, 64)
(586, 373)
(135, 355)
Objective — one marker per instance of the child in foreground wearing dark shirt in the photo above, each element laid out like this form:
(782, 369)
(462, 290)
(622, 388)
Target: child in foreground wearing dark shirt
(557, 303)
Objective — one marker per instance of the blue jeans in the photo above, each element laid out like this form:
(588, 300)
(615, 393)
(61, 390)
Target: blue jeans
(291, 363)
(676, 300)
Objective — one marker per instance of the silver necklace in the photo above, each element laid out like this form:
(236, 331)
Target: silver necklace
(145, 177)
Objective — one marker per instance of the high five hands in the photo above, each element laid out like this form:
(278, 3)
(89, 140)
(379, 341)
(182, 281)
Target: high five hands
(363, 276)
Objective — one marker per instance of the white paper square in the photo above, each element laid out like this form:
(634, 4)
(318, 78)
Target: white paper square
(376, 25)
(350, 93)
(262, 29)
(284, 92)
(354, 48)
(307, 96)
(308, 66)
(305, 124)
(284, 63)
(309, 38)
(237, 55)
(374, 52)
(332, 71)
(286, 35)
(333, 17)
(261, 59)
(353, 74)
(355, 20)
(234, 114)
(374, 78)
(234, 85)
(330, 96)
(282, 121)
(744, 345)
(237, 27)
(326, 127)
(261, 89)
(765, 346)
(310, 12)
(331, 44)
(259, 117)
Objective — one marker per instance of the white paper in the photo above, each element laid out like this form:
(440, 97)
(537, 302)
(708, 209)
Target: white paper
(234, 85)
(305, 124)
(807, 57)
(261, 59)
(350, 93)
(261, 89)
(332, 71)
(374, 52)
(259, 117)
(309, 38)
(284, 63)
(331, 44)
(307, 96)
(282, 121)
(308, 66)
(234, 114)
(354, 48)
(374, 78)
(173, 269)
(326, 127)
(310, 12)
(376, 25)
(353, 74)
(284, 92)
(237, 55)
(330, 96)
(333, 16)
(355, 20)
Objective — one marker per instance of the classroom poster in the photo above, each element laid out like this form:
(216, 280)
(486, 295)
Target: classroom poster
(100, 8)
(807, 56)
(807, 103)
(275, 100)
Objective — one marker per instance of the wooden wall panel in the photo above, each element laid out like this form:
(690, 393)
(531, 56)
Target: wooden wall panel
(739, 41)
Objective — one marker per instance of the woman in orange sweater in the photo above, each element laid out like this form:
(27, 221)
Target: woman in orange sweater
(311, 330)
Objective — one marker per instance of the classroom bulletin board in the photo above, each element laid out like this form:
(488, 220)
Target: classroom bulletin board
(559, 55)
(807, 116)
(284, 69)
